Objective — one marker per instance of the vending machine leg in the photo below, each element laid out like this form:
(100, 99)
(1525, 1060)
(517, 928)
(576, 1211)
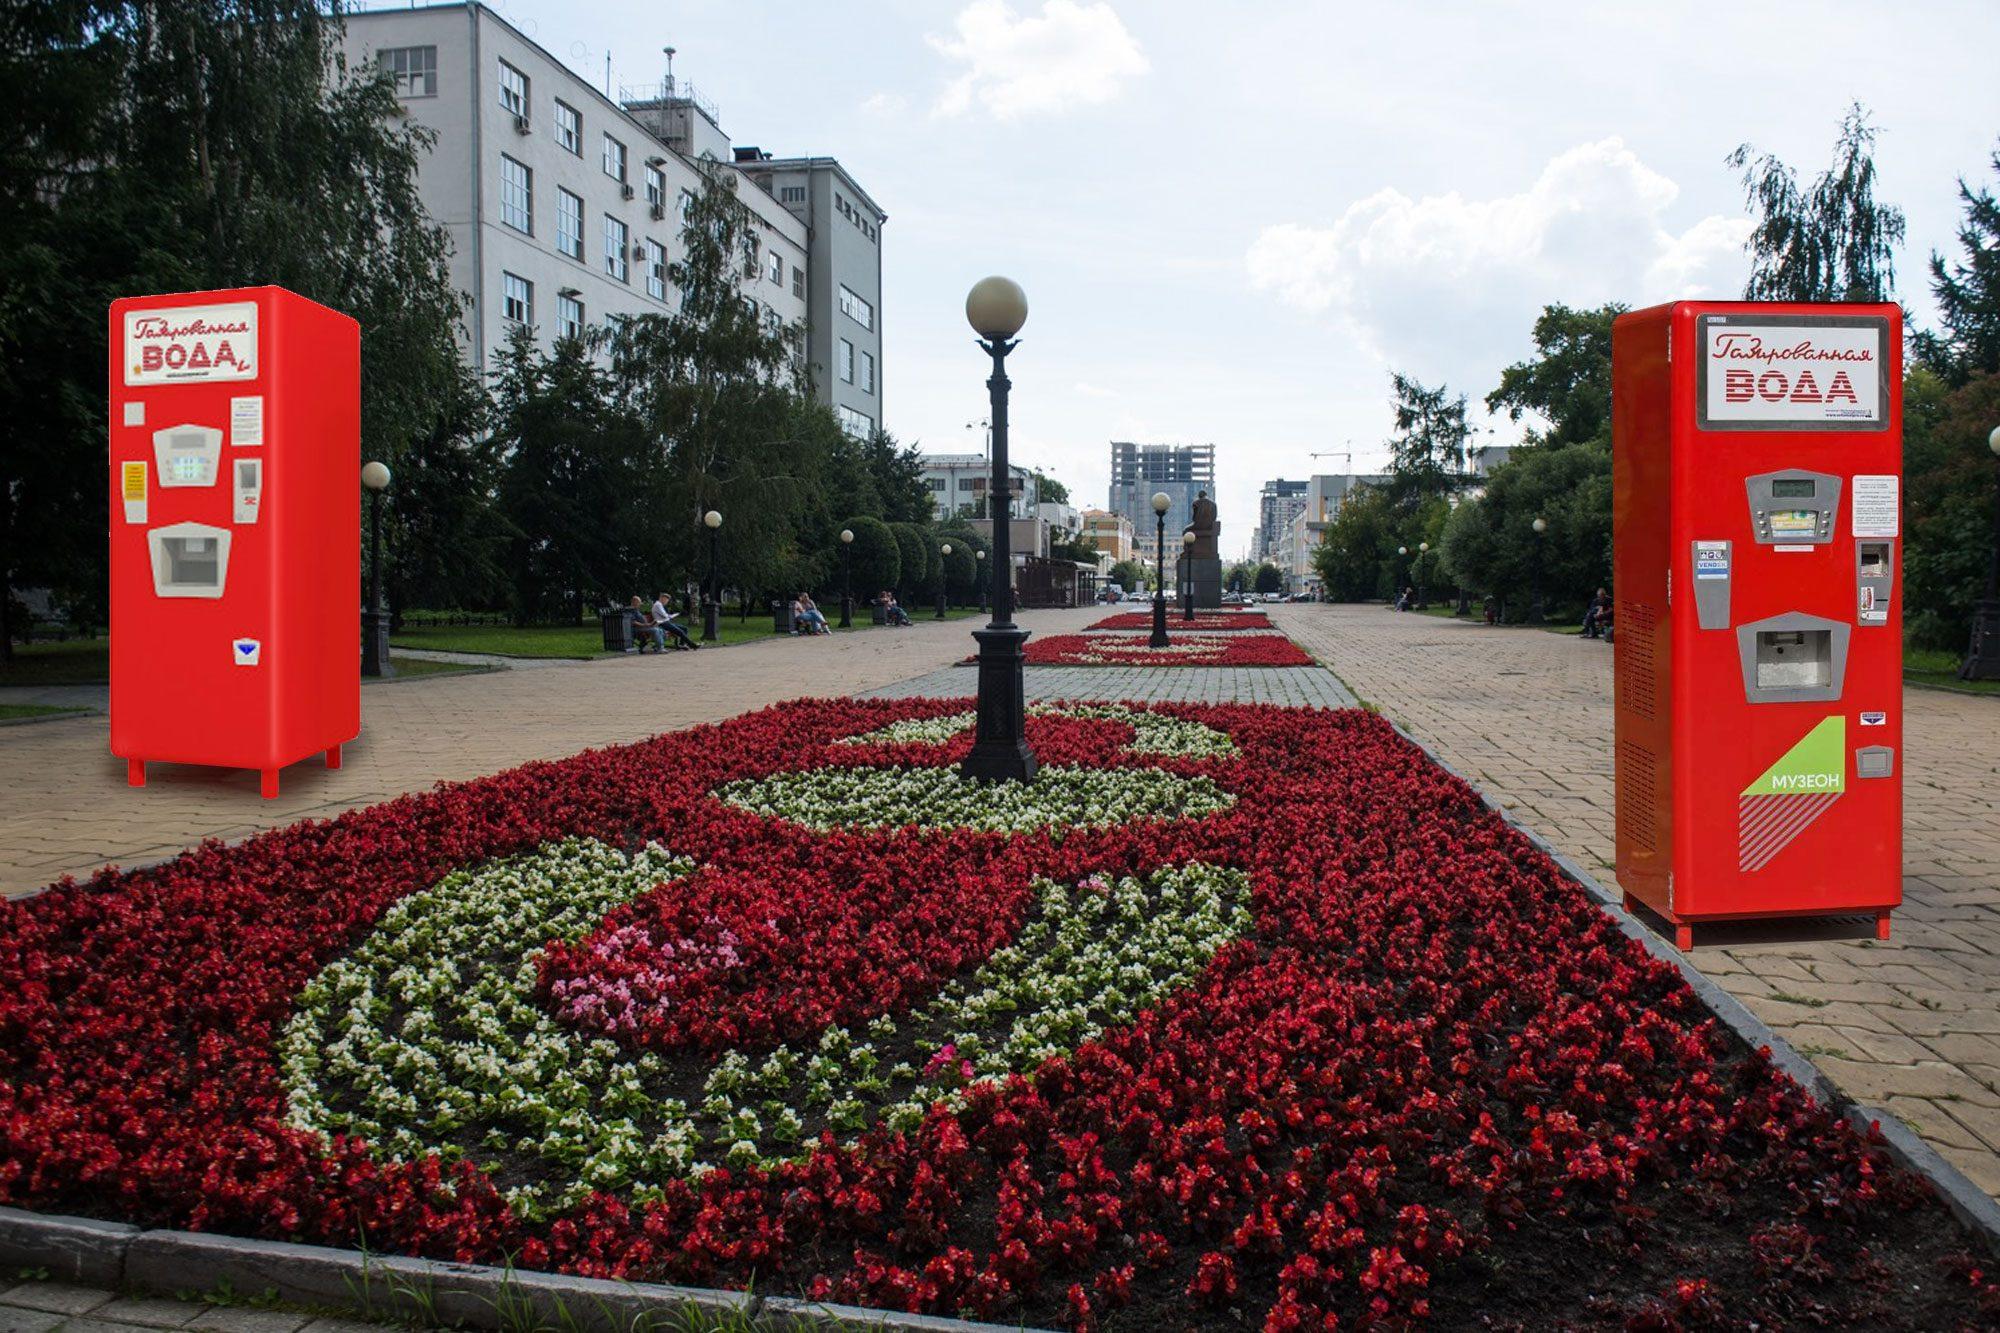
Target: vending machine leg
(135, 772)
(333, 756)
(1881, 925)
(1683, 936)
(268, 786)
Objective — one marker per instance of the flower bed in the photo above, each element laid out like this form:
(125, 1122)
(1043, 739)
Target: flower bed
(1240, 1016)
(1260, 650)
(1204, 621)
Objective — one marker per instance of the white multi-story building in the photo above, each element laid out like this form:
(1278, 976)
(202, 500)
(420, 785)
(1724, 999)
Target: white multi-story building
(958, 484)
(1324, 495)
(564, 207)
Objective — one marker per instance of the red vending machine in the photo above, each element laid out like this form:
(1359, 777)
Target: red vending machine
(235, 530)
(1756, 477)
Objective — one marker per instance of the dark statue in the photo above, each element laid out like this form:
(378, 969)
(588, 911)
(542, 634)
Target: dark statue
(1204, 529)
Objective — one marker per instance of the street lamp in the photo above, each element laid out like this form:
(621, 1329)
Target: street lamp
(1540, 525)
(711, 607)
(1423, 549)
(374, 620)
(978, 576)
(1161, 502)
(944, 573)
(1982, 659)
(846, 578)
(997, 308)
(1187, 577)
(1402, 556)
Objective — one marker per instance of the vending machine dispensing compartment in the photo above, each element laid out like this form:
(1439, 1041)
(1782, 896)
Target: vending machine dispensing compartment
(189, 559)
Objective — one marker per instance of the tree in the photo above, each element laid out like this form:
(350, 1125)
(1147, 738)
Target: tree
(915, 552)
(185, 147)
(1827, 242)
(1270, 579)
(1050, 490)
(875, 556)
(961, 572)
(1489, 544)
(1568, 382)
(902, 493)
(1948, 503)
(1428, 449)
(1967, 341)
(1130, 575)
(1356, 551)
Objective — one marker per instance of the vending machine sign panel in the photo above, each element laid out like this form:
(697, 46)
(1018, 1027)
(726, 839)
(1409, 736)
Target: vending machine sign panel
(191, 344)
(1770, 372)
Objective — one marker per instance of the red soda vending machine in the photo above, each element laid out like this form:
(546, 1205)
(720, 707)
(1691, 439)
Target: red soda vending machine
(1757, 465)
(235, 530)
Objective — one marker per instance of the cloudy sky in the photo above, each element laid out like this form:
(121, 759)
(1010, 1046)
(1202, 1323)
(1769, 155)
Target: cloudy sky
(1233, 220)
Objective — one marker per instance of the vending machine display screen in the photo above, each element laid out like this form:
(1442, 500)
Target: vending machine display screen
(1792, 488)
(1790, 522)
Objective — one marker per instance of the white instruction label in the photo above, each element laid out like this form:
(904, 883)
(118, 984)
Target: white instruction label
(1875, 507)
(246, 421)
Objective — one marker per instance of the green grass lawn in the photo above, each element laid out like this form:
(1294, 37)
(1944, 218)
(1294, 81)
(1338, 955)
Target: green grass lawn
(587, 641)
(1934, 666)
(14, 712)
(74, 662)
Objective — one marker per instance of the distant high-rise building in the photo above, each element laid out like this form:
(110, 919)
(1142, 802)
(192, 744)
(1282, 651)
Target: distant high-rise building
(1276, 505)
(1138, 471)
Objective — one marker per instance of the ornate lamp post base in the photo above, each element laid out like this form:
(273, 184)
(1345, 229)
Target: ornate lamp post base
(375, 644)
(711, 617)
(1000, 750)
(1982, 662)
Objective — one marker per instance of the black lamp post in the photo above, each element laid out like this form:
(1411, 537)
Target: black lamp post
(1161, 502)
(711, 607)
(374, 619)
(1540, 525)
(997, 308)
(1423, 550)
(846, 578)
(1982, 658)
(1187, 577)
(944, 573)
(978, 576)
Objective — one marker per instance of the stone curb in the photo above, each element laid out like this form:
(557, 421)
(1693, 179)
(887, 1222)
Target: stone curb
(1971, 1205)
(121, 1257)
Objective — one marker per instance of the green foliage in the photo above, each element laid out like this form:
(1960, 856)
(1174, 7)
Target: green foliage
(1568, 381)
(1357, 556)
(1050, 490)
(1489, 544)
(1428, 449)
(1827, 242)
(1948, 504)
(898, 474)
(913, 548)
(961, 572)
(1130, 575)
(875, 555)
(1269, 579)
(1967, 343)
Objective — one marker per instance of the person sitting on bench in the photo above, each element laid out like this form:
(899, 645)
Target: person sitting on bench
(664, 619)
(642, 625)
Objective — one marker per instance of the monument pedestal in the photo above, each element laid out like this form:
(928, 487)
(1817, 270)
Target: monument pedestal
(1207, 578)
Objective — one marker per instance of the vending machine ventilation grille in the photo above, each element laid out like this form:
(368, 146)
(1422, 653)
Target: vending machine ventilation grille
(1637, 791)
(1636, 670)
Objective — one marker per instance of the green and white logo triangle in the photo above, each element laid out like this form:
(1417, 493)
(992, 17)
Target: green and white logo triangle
(1817, 764)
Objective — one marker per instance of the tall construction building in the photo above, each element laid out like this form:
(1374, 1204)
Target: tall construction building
(1138, 471)
(1277, 504)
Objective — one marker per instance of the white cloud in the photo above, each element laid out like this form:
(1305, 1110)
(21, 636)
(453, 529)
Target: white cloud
(1450, 285)
(1085, 389)
(1069, 55)
(886, 104)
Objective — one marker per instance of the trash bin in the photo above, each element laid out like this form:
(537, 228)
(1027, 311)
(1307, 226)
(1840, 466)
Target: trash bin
(878, 614)
(781, 616)
(617, 623)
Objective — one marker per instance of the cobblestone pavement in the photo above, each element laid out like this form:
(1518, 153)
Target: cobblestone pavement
(1911, 1026)
(1299, 687)
(44, 1307)
(65, 808)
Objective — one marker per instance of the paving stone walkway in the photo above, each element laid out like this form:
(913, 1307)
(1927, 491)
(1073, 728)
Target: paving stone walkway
(1295, 687)
(1911, 1026)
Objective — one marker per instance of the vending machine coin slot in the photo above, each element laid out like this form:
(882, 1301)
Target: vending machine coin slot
(249, 488)
(1874, 761)
(1711, 584)
(1874, 574)
(189, 560)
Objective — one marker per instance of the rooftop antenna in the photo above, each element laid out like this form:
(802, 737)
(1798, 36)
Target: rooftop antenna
(670, 70)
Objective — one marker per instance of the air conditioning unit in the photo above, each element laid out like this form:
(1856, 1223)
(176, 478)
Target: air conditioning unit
(638, 251)
(658, 211)
(521, 125)
(625, 190)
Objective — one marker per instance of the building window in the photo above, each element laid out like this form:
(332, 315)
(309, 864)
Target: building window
(517, 300)
(615, 264)
(414, 69)
(791, 194)
(857, 309)
(799, 280)
(845, 358)
(656, 270)
(513, 90)
(750, 262)
(774, 267)
(614, 158)
(858, 424)
(569, 128)
(687, 206)
(656, 188)
(750, 305)
(517, 195)
(569, 317)
(868, 372)
(937, 484)
(569, 223)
